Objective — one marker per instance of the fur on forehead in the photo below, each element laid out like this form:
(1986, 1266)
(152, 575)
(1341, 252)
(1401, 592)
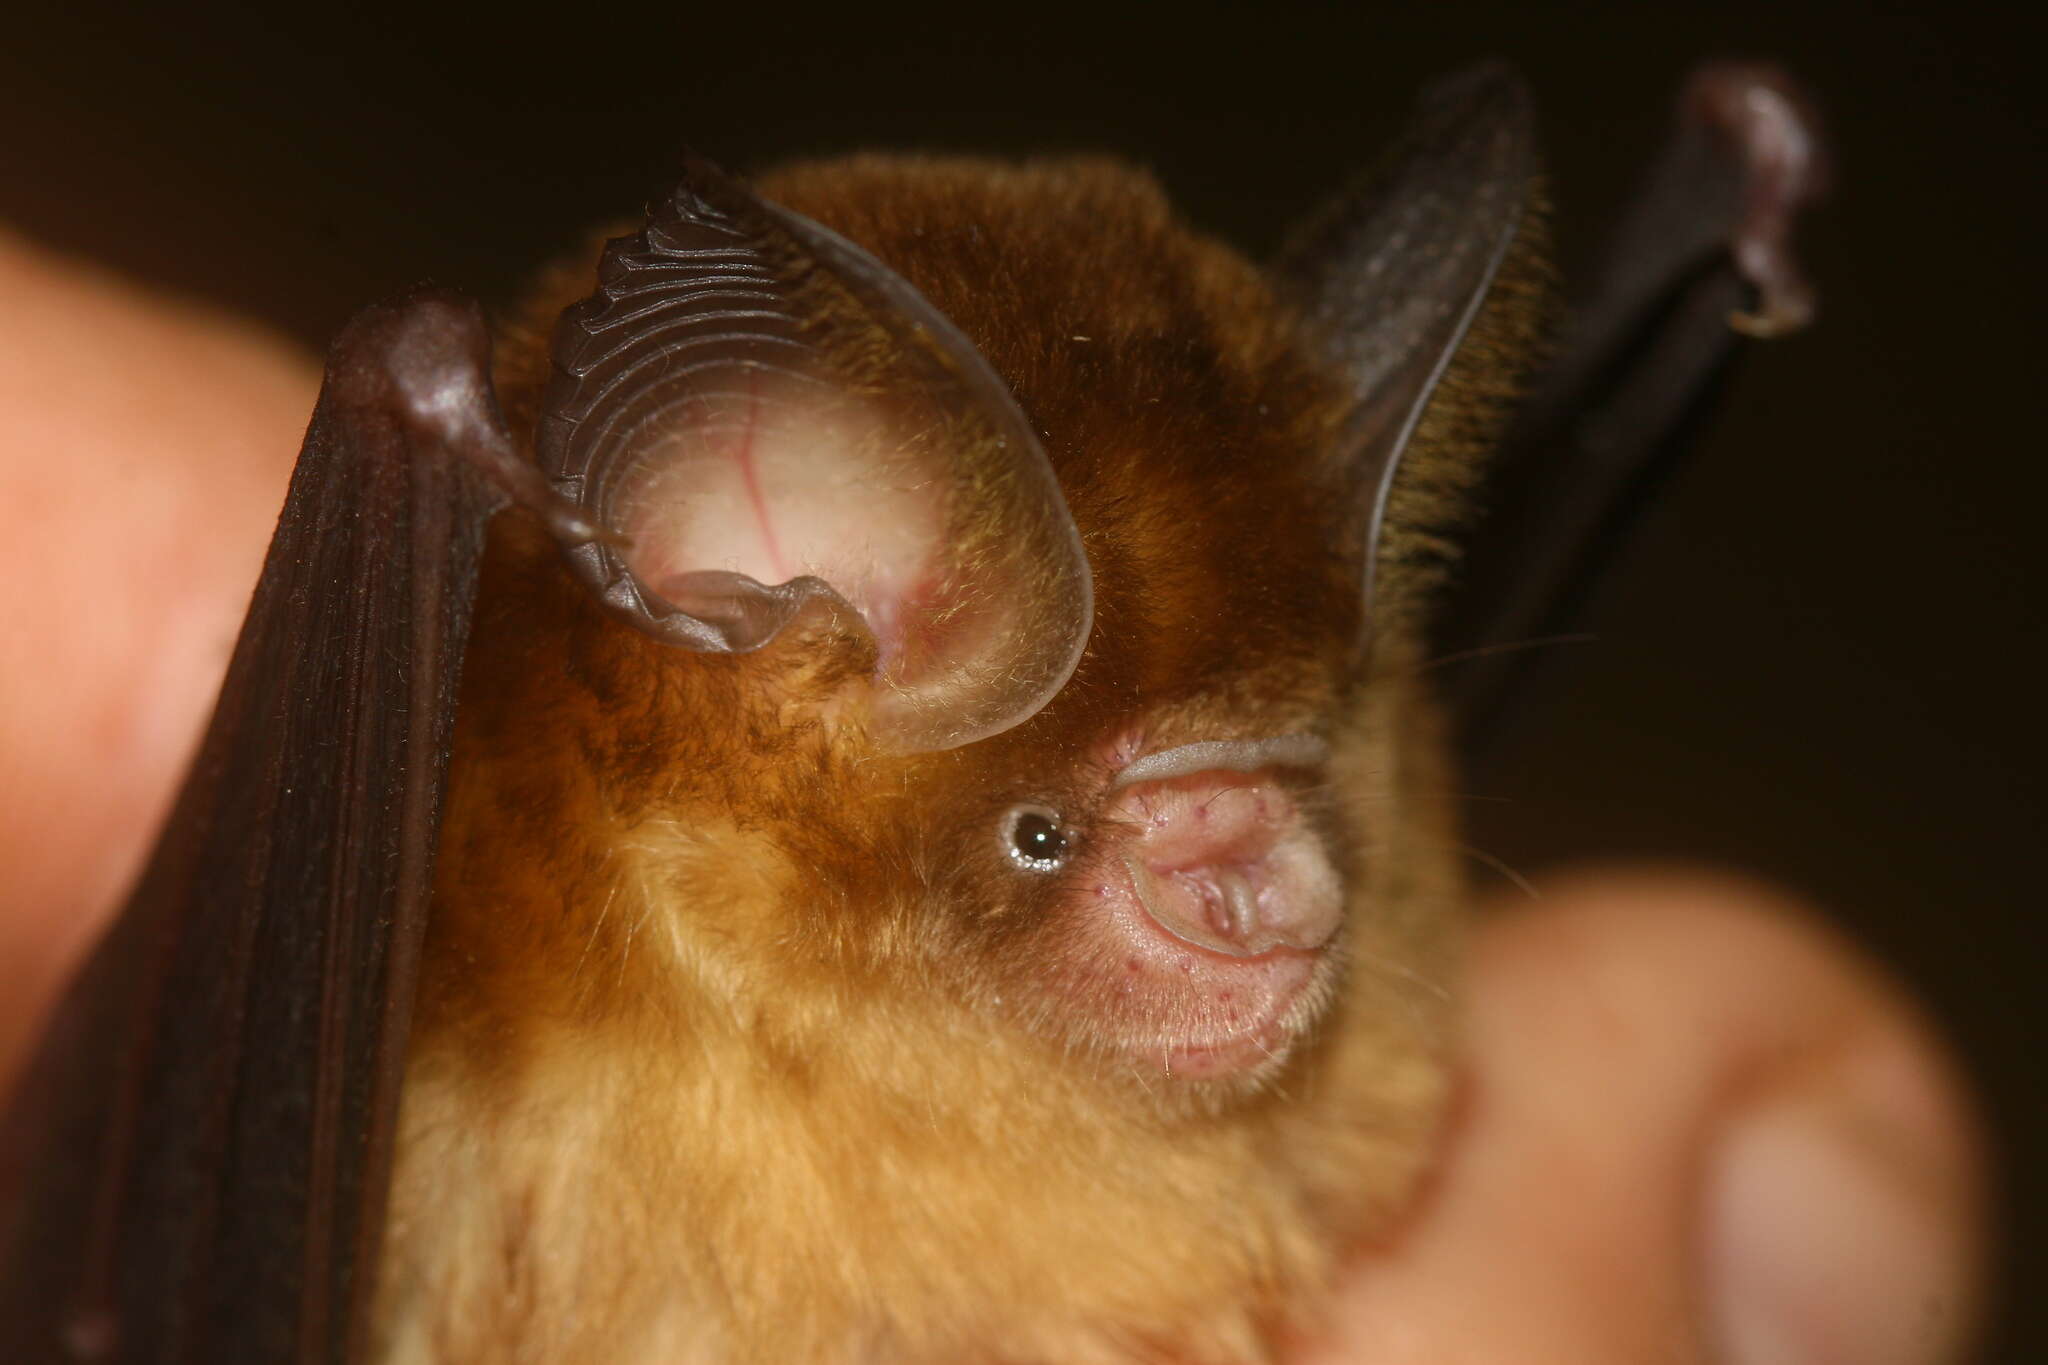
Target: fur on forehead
(1024, 257)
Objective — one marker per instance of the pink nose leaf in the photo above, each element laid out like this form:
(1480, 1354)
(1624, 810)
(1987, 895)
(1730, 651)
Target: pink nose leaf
(1224, 860)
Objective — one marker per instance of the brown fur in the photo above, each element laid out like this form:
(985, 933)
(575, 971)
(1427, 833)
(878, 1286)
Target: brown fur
(728, 1050)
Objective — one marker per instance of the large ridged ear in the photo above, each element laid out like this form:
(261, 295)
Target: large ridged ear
(765, 415)
(1390, 276)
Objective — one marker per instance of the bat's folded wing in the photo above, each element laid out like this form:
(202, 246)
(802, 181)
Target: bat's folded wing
(1701, 259)
(202, 1141)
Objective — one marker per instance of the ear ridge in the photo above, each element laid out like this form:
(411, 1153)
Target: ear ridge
(729, 327)
(619, 354)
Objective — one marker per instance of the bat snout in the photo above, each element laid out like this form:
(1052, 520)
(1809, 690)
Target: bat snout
(1224, 861)
(1208, 904)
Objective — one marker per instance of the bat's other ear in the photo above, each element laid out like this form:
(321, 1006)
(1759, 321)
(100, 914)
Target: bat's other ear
(765, 416)
(1390, 276)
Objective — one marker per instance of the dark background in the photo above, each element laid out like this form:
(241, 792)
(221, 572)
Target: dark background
(1820, 662)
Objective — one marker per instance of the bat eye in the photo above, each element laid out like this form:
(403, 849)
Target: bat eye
(1035, 839)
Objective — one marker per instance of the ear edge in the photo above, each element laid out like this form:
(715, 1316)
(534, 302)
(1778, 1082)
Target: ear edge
(1399, 282)
(770, 254)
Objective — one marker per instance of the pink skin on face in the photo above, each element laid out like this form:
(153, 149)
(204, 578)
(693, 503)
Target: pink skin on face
(1207, 901)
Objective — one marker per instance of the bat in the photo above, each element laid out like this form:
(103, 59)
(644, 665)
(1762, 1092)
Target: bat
(863, 783)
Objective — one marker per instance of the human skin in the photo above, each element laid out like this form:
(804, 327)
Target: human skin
(1695, 1125)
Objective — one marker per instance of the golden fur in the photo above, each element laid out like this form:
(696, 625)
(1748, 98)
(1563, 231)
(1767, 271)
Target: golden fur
(728, 1049)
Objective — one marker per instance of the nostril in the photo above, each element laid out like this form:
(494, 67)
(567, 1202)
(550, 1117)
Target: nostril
(1237, 905)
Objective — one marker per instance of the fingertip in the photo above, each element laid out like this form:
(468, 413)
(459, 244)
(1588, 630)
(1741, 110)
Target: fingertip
(1838, 1221)
(1701, 1124)
(1840, 1188)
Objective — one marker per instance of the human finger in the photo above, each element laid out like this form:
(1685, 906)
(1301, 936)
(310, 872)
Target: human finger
(144, 448)
(1699, 1128)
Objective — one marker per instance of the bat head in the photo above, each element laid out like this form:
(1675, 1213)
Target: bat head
(1000, 711)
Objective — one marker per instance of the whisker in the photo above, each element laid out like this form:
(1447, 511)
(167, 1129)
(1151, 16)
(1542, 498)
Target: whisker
(1324, 789)
(1381, 798)
(1522, 883)
(626, 948)
(1223, 793)
(1405, 974)
(1427, 1027)
(1511, 647)
(596, 927)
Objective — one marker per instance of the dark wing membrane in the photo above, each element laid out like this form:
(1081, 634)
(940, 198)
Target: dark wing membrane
(1701, 259)
(204, 1138)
